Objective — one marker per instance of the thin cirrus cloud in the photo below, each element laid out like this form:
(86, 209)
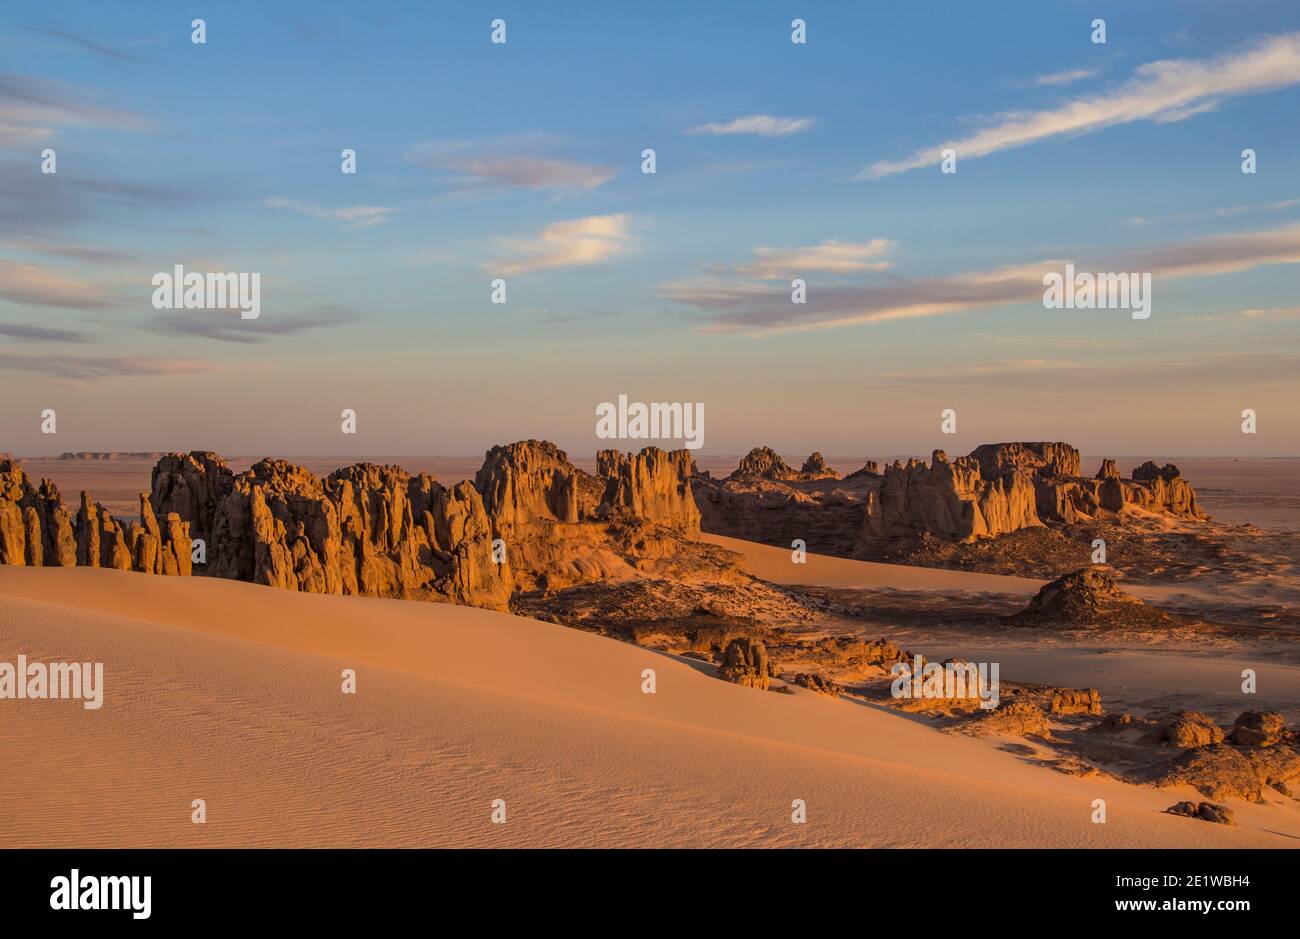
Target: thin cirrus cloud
(1052, 79)
(574, 243)
(32, 109)
(90, 368)
(228, 326)
(109, 54)
(738, 304)
(1164, 91)
(23, 332)
(34, 284)
(759, 125)
(353, 216)
(499, 165)
(836, 257)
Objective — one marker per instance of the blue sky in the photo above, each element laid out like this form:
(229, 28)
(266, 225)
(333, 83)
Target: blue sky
(476, 159)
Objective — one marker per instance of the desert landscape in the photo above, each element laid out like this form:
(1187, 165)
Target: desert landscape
(499, 630)
(648, 426)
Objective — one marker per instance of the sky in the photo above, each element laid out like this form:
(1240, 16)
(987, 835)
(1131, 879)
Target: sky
(774, 160)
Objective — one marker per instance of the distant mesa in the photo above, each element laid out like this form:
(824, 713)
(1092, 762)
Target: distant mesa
(997, 489)
(110, 455)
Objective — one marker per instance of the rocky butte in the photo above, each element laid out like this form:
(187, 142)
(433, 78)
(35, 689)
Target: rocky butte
(529, 520)
(532, 521)
(996, 489)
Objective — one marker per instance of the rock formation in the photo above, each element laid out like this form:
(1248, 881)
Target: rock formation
(948, 499)
(818, 683)
(1089, 597)
(530, 519)
(1205, 811)
(651, 486)
(766, 463)
(816, 467)
(1259, 729)
(35, 528)
(745, 662)
(1190, 729)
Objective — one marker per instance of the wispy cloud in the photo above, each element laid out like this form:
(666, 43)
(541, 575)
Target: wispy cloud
(31, 283)
(32, 108)
(113, 56)
(575, 243)
(354, 216)
(742, 305)
(228, 326)
(1067, 77)
(1164, 91)
(837, 257)
(26, 333)
(37, 244)
(85, 368)
(761, 125)
(501, 165)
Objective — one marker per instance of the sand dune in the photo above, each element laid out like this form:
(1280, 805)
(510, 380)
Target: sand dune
(774, 565)
(230, 692)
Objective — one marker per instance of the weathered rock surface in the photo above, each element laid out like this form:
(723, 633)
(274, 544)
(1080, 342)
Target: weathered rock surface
(745, 663)
(1090, 596)
(1205, 811)
(998, 489)
(816, 467)
(651, 486)
(949, 499)
(818, 683)
(1190, 729)
(1222, 771)
(869, 469)
(1259, 729)
(765, 463)
(1018, 718)
(531, 519)
(527, 482)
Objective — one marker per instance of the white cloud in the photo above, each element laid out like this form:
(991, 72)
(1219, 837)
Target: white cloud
(575, 243)
(761, 125)
(743, 304)
(1068, 77)
(498, 164)
(355, 216)
(838, 257)
(1162, 91)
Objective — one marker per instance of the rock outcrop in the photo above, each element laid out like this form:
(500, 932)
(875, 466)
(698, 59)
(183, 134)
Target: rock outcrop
(1259, 729)
(530, 520)
(528, 482)
(816, 467)
(650, 486)
(36, 530)
(1089, 597)
(1205, 811)
(1191, 729)
(952, 500)
(745, 663)
(818, 683)
(765, 463)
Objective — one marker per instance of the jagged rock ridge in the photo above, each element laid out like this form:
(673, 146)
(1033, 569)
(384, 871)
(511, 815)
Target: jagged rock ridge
(530, 518)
